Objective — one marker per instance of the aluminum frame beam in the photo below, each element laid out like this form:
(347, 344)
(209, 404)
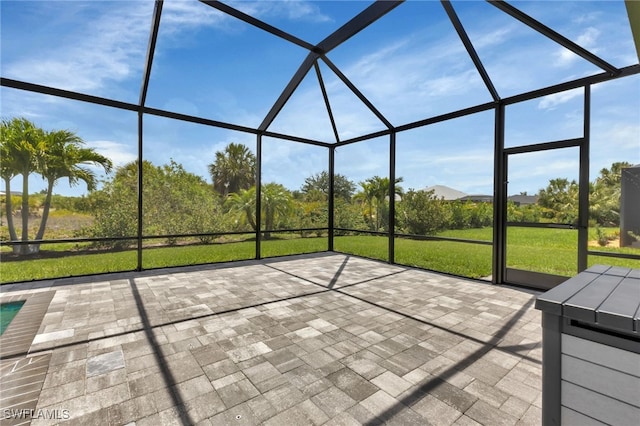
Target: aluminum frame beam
(342, 34)
(583, 184)
(326, 101)
(151, 48)
(362, 20)
(498, 261)
(553, 35)
(258, 23)
(464, 37)
(66, 94)
(288, 91)
(544, 146)
(549, 90)
(357, 92)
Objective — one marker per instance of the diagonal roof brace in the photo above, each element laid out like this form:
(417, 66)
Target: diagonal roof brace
(257, 23)
(557, 37)
(453, 17)
(326, 101)
(354, 26)
(151, 48)
(357, 92)
(288, 91)
(357, 24)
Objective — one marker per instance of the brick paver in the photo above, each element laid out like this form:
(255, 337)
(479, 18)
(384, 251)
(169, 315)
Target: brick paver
(318, 339)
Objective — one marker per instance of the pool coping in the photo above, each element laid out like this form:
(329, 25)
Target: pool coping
(18, 337)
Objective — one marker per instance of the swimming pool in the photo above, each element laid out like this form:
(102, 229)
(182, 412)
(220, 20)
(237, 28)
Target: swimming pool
(7, 312)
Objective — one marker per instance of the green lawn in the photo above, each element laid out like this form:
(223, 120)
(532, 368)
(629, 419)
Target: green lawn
(76, 264)
(470, 260)
(542, 250)
(550, 251)
(152, 257)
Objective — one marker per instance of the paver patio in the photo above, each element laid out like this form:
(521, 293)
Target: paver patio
(324, 339)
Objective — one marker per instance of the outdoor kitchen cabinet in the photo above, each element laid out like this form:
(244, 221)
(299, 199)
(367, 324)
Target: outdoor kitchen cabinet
(591, 348)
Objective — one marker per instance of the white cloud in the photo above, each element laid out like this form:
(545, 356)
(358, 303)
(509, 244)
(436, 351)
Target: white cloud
(547, 164)
(108, 48)
(623, 136)
(179, 14)
(363, 160)
(551, 101)
(181, 105)
(111, 46)
(451, 84)
(469, 170)
(464, 159)
(415, 77)
(294, 10)
(587, 40)
(305, 113)
(290, 163)
(533, 171)
(119, 153)
(588, 17)
(493, 37)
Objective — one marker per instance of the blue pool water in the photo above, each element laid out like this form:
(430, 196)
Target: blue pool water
(7, 312)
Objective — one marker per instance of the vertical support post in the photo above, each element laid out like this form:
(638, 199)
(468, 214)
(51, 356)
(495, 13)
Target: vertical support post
(331, 196)
(392, 195)
(140, 188)
(499, 198)
(583, 195)
(551, 368)
(258, 195)
(151, 48)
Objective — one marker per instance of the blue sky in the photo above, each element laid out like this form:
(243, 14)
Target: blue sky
(411, 65)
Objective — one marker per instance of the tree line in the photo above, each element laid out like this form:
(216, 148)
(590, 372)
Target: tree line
(175, 201)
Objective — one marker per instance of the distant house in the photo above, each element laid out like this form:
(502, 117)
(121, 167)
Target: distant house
(446, 193)
(477, 198)
(442, 192)
(523, 200)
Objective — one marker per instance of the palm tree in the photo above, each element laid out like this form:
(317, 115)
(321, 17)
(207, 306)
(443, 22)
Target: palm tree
(243, 204)
(376, 189)
(64, 157)
(367, 195)
(8, 171)
(381, 188)
(233, 169)
(22, 145)
(559, 200)
(610, 178)
(276, 204)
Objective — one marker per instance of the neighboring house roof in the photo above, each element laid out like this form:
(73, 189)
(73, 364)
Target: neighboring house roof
(477, 197)
(523, 199)
(445, 193)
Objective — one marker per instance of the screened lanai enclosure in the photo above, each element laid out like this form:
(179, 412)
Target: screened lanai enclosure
(484, 139)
